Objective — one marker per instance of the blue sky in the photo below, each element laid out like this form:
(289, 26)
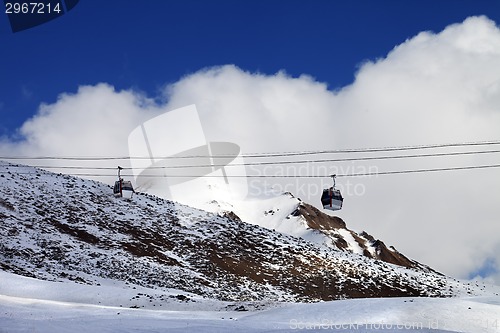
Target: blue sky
(148, 44)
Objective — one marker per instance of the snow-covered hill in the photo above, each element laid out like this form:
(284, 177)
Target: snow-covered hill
(30, 305)
(61, 228)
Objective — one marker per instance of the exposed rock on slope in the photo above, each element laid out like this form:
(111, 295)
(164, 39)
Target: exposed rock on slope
(336, 229)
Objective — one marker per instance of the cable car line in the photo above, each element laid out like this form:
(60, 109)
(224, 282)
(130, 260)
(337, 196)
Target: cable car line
(259, 155)
(380, 149)
(393, 172)
(331, 198)
(350, 159)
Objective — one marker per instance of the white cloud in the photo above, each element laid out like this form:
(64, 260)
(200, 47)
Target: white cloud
(251, 108)
(433, 88)
(90, 122)
(95, 121)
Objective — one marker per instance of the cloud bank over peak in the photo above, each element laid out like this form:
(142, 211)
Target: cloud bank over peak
(433, 83)
(433, 88)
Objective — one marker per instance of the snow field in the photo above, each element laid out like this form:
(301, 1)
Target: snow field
(30, 305)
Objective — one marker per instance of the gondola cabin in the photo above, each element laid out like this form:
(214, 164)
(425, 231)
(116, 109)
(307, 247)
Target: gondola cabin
(332, 199)
(123, 189)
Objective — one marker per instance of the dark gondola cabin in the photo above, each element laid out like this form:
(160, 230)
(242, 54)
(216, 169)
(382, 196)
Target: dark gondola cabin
(123, 189)
(332, 199)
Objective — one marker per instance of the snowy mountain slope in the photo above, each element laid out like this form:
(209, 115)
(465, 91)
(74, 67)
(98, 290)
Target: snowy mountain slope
(281, 212)
(66, 307)
(62, 228)
(288, 214)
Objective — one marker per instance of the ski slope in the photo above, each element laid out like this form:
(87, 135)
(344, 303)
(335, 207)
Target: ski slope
(30, 305)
